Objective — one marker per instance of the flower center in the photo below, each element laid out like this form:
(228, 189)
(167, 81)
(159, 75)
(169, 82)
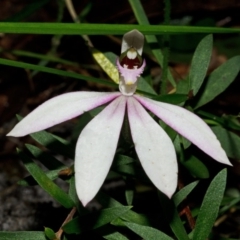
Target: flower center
(130, 59)
(130, 66)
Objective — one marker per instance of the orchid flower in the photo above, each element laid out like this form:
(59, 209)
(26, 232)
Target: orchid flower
(97, 143)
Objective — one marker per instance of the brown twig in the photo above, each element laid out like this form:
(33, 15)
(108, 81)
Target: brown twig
(68, 218)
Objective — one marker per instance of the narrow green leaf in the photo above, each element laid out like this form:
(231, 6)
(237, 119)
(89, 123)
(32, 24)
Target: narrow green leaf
(30, 235)
(172, 217)
(103, 29)
(183, 193)
(200, 63)
(29, 180)
(227, 121)
(49, 57)
(218, 81)
(196, 167)
(45, 158)
(45, 182)
(73, 195)
(147, 233)
(229, 205)
(175, 98)
(229, 141)
(94, 220)
(210, 206)
(129, 216)
(49, 141)
(55, 71)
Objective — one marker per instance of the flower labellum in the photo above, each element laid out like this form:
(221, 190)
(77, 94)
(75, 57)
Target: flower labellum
(130, 64)
(97, 143)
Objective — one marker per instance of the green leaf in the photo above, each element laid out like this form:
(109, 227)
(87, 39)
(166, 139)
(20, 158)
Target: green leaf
(147, 233)
(94, 220)
(49, 141)
(130, 170)
(200, 63)
(129, 216)
(172, 217)
(115, 236)
(129, 190)
(218, 81)
(49, 233)
(45, 158)
(73, 195)
(210, 206)
(105, 29)
(171, 98)
(45, 182)
(183, 86)
(55, 71)
(30, 235)
(110, 233)
(183, 193)
(122, 160)
(228, 205)
(196, 167)
(129, 194)
(144, 86)
(48, 57)
(29, 180)
(52, 142)
(229, 141)
(227, 121)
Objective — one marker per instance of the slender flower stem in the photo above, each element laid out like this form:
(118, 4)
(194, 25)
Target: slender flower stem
(75, 18)
(69, 218)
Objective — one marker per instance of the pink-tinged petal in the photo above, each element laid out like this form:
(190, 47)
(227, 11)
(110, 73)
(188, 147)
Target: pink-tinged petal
(188, 125)
(133, 39)
(60, 109)
(154, 148)
(130, 76)
(96, 148)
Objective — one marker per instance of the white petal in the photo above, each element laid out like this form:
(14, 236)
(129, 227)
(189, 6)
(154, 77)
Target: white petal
(96, 148)
(154, 148)
(60, 109)
(188, 125)
(133, 39)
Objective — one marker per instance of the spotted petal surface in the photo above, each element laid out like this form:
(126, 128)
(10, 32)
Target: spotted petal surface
(96, 148)
(154, 148)
(60, 109)
(188, 125)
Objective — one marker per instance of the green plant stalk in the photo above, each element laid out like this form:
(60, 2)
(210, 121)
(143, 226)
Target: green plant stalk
(152, 40)
(166, 39)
